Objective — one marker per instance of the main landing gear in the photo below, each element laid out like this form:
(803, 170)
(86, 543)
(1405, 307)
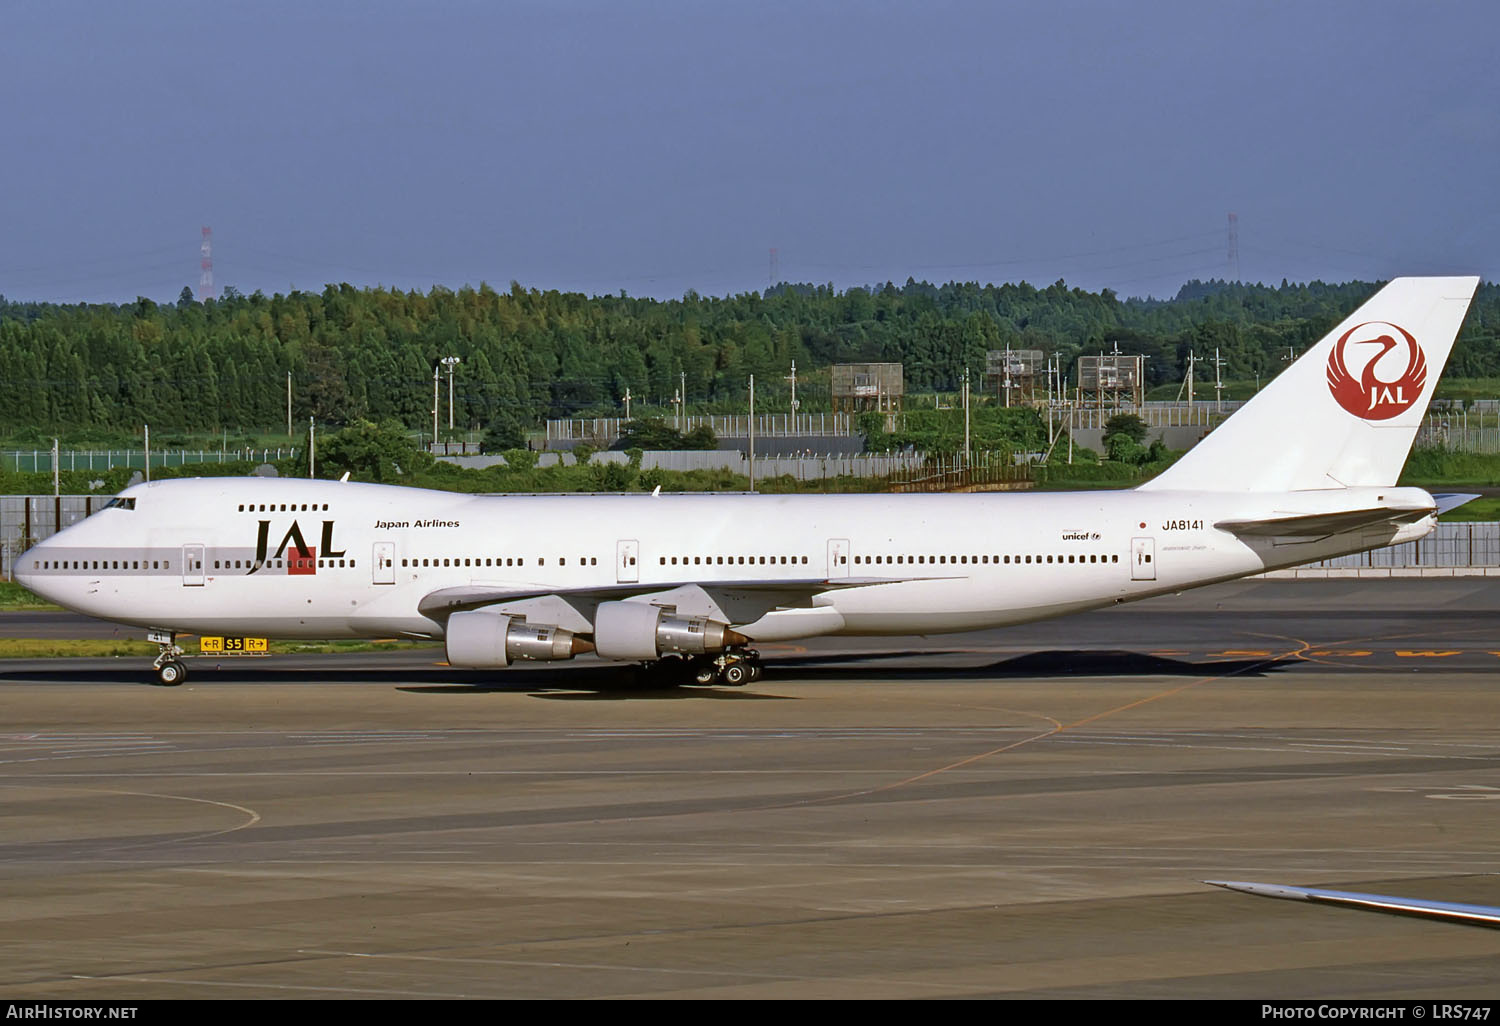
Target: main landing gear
(734, 668)
(170, 669)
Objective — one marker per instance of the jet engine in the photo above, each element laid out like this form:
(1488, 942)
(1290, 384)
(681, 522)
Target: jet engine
(486, 640)
(638, 630)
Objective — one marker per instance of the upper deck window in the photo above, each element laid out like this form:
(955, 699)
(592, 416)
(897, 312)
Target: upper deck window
(120, 503)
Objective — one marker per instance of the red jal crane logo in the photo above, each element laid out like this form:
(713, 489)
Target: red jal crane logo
(1377, 396)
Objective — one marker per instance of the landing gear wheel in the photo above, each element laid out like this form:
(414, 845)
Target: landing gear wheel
(736, 675)
(171, 673)
(756, 672)
(705, 673)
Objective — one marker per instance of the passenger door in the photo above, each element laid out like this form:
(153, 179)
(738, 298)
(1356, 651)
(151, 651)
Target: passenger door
(627, 555)
(838, 557)
(384, 563)
(192, 566)
(1143, 559)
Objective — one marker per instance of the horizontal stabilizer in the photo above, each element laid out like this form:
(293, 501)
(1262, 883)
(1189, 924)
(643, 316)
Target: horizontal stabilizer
(1321, 525)
(1451, 911)
(1452, 500)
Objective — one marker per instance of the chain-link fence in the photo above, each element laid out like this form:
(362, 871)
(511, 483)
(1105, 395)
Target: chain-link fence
(39, 461)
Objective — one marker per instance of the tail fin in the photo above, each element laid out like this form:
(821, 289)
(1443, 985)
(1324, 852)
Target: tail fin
(1343, 415)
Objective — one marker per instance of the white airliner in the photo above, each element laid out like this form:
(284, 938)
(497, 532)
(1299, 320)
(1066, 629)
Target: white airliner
(1305, 470)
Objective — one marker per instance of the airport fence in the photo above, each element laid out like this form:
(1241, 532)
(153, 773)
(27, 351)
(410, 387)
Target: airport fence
(607, 430)
(811, 467)
(40, 460)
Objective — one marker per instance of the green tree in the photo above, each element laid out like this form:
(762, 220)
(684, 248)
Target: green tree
(382, 453)
(1128, 424)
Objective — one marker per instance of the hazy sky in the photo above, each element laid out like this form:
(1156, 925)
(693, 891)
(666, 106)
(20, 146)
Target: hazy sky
(657, 147)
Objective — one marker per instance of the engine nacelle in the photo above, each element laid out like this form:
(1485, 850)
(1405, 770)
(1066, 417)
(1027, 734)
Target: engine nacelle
(639, 630)
(483, 640)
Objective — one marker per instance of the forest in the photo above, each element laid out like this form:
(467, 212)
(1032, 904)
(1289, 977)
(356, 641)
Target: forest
(222, 365)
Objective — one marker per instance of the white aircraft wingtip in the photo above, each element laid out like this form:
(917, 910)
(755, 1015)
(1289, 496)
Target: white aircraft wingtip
(1265, 890)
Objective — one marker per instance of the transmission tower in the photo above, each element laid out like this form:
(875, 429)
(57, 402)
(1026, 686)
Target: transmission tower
(1234, 247)
(206, 278)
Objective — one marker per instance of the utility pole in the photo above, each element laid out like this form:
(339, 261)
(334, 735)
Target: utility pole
(682, 391)
(312, 447)
(627, 403)
(1218, 382)
(1050, 436)
(434, 407)
(752, 432)
(289, 437)
(793, 379)
(56, 483)
(1072, 407)
(148, 453)
(967, 456)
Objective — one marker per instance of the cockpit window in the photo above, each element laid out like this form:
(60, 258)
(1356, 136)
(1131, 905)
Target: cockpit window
(119, 503)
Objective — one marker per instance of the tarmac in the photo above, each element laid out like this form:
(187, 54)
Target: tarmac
(1023, 813)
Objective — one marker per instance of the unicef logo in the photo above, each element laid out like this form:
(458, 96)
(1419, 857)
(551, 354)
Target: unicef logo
(1376, 370)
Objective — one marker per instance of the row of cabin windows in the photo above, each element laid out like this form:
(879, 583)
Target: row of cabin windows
(286, 507)
(1090, 558)
(279, 564)
(496, 561)
(100, 564)
(741, 560)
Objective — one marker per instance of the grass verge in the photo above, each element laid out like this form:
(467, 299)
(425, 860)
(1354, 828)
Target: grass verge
(103, 648)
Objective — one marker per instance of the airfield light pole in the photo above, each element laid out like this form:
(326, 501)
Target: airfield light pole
(434, 406)
(312, 448)
(450, 362)
(289, 406)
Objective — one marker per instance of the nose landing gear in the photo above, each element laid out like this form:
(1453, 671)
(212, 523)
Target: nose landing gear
(169, 667)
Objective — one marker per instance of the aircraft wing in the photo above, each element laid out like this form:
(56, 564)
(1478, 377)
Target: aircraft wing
(767, 595)
(1449, 911)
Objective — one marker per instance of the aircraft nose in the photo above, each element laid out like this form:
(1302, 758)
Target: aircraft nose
(27, 568)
